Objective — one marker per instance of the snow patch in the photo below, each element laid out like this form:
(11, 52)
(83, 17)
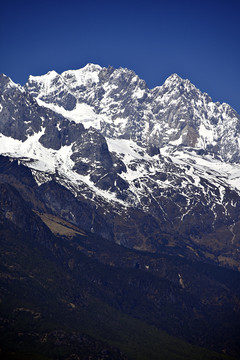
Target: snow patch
(138, 94)
(128, 148)
(176, 142)
(82, 113)
(206, 134)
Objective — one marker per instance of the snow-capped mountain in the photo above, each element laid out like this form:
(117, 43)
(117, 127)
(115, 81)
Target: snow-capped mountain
(159, 166)
(120, 105)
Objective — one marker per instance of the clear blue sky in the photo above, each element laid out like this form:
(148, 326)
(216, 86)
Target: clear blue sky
(198, 40)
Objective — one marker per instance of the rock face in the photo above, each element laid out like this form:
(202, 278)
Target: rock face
(151, 169)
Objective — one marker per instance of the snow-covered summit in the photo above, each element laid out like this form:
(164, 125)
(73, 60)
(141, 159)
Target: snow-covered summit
(173, 79)
(52, 82)
(82, 77)
(43, 78)
(175, 113)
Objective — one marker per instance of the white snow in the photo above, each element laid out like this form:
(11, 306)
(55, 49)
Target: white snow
(29, 149)
(121, 122)
(216, 171)
(138, 94)
(45, 82)
(85, 76)
(128, 148)
(140, 166)
(39, 158)
(176, 142)
(207, 135)
(44, 78)
(82, 113)
(195, 167)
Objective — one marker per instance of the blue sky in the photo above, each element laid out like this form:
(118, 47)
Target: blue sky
(198, 40)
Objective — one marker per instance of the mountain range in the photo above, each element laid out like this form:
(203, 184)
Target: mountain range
(133, 194)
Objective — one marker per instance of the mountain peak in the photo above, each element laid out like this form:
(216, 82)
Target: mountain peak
(7, 83)
(83, 76)
(89, 68)
(174, 79)
(48, 76)
(3, 77)
(92, 67)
